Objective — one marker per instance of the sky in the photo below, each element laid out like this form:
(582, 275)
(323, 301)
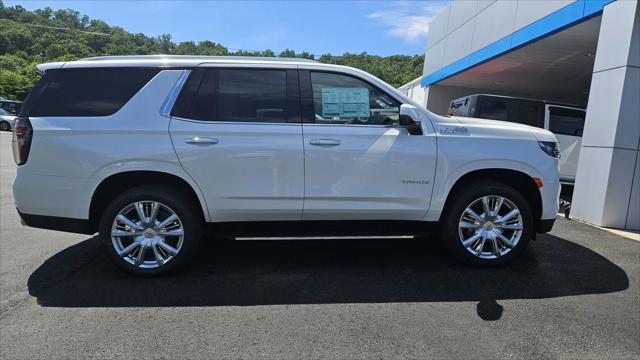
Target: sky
(319, 27)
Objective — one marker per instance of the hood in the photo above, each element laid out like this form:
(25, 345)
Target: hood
(538, 133)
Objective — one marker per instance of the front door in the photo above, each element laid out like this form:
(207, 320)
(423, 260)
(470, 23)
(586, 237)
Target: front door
(236, 132)
(359, 163)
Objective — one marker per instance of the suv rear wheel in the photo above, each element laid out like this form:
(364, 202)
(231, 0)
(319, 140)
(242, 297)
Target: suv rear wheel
(488, 223)
(151, 230)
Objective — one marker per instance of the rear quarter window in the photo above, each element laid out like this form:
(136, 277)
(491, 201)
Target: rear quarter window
(86, 92)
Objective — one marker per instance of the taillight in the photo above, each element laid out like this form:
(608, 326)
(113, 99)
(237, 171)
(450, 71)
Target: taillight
(22, 135)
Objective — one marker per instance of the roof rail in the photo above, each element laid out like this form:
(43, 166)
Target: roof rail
(195, 57)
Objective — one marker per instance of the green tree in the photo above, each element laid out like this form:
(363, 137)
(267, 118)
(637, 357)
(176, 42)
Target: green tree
(28, 38)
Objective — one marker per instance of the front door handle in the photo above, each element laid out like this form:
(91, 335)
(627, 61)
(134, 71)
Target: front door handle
(202, 141)
(324, 142)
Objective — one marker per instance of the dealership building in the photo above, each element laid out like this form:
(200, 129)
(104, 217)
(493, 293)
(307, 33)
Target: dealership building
(581, 52)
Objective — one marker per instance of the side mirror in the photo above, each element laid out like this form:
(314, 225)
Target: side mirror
(408, 116)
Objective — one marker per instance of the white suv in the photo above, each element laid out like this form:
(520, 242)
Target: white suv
(149, 150)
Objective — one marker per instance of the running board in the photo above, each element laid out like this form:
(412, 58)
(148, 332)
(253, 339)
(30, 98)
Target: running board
(373, 237)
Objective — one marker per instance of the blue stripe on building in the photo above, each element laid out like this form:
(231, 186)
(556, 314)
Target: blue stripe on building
(560, 19)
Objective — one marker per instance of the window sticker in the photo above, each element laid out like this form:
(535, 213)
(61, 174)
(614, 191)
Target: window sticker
(345, 102)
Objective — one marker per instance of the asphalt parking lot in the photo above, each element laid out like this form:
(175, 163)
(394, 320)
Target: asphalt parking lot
(574, 294)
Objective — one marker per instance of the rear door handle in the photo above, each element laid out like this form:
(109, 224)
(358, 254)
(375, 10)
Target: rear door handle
(202, 141)
(324, 142)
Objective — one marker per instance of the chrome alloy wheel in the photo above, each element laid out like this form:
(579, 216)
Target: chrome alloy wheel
(490, 227)
(147, 234)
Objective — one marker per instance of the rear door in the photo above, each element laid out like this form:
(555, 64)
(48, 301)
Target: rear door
(360, 164)
(567, 124)
(237, 133)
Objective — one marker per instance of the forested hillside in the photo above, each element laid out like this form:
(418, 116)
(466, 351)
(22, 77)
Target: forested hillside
(28, 38)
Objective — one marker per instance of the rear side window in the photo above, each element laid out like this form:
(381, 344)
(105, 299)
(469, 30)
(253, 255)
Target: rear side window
(88, 92)
(241, 95)
(494, 109)
(565, 121)
(252, 95)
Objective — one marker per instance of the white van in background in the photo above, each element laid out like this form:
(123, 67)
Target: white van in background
(565, 121)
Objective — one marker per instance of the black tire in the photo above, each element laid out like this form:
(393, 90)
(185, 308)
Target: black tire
(5, 126)
(465, 197)
(187, 211)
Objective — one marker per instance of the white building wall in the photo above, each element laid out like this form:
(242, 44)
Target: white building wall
(466, 26)
(414, 91)
(607, 189)
(529, 11)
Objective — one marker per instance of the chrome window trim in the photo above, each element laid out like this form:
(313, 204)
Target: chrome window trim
(356, 125)
(283, 123)
(167, 105)
(235, 122)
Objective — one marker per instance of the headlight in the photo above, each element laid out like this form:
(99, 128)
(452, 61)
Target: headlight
(550, 147)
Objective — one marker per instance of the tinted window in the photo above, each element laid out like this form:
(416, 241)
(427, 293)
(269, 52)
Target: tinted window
(182, 106)
(525, 112)
(90, 92)
(236, 95)
(495, 109)
(341, 99)
(252, 95)
(204, 103)
(566, 121)
(459, 107)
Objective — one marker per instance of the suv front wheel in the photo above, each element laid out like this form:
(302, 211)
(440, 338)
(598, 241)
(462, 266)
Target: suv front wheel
(151, 230)
(488, 223)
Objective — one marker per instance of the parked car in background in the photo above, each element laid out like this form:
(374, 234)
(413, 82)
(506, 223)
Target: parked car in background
(147, 150)
(6, 120)
(11, 106)
(565, 121)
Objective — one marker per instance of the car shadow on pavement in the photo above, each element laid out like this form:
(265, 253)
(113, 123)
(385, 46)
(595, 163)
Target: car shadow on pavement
(322, 272)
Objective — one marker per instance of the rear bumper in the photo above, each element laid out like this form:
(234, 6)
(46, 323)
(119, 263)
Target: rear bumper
(47, 195)
(545, 225)
(80, 226)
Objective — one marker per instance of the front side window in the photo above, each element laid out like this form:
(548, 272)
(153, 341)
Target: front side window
(242, 95)
(565, 121)
(342, 99)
